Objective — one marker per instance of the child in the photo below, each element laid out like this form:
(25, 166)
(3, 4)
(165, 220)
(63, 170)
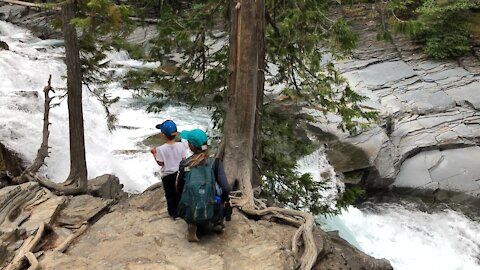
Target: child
(169, 155)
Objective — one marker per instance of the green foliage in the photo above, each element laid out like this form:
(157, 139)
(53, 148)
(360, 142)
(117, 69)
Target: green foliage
(443, 27)
(103, 26)
(348, 197)
(301, 42)
(282, 147)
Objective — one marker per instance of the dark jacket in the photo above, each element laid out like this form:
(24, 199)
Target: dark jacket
(220, 177)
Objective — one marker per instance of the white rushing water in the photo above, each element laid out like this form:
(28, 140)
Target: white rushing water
(24, 71)
(412, 239)
(409, 238)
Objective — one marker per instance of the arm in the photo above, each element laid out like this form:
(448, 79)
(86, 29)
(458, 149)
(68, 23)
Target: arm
(154, 152)
(221, 178)
(179, 181)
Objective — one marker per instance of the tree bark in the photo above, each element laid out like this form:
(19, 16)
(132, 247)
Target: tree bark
(242, 96)
(243, 124)
(257, 140)
(78, 166)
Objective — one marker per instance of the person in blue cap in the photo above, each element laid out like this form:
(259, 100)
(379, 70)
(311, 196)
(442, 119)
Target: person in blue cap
(168, 156)
(197, 142)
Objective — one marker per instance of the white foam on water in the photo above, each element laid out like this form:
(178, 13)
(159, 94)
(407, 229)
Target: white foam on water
(24, 71)
(412, 239)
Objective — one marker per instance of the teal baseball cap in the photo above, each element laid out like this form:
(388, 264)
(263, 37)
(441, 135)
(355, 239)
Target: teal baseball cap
(196, 137)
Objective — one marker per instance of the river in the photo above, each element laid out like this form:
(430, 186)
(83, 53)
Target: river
(400, 231)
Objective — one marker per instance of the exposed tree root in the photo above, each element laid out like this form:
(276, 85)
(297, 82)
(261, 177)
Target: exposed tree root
(64, 246)
(302, 220)
(62, 188)
(32, 260)
(28, 246)
(154, 186)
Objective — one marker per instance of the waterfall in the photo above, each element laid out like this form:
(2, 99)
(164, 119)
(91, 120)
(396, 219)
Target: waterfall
(24, 70)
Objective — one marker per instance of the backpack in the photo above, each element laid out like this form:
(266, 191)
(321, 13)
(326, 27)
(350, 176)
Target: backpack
(197, 203)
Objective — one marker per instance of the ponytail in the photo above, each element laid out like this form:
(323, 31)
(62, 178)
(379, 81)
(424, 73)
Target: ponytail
(198, 156)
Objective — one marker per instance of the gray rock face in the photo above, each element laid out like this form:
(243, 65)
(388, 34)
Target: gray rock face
(437, 169)
(9, 161)
(37, 21)
(106, 186)
(80, 209)
(433, 113)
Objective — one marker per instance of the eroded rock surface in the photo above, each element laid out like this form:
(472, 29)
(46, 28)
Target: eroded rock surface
(426, 105)
(138, 234)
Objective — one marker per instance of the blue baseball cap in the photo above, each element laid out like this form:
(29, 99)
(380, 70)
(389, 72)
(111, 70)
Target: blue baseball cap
(168, 127)
(196, 137)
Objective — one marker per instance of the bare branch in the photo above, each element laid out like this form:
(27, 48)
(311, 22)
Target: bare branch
(32, 260)
(64, 246)
(43, 150)
(27, 247)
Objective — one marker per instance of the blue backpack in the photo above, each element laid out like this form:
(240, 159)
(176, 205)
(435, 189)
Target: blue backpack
(197, 204)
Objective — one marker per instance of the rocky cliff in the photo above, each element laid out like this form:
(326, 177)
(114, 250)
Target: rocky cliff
(430, 127)
(107, 229)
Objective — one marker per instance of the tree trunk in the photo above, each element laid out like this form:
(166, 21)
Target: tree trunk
(78, 167)
(242, 96)
(257, 140)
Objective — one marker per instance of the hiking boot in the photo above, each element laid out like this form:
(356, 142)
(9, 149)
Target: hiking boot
(192, 233)
(218, 227)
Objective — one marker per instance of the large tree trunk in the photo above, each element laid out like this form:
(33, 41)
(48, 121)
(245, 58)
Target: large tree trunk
(244, 116)
(242, 96)
(257, 140)
(78, 167)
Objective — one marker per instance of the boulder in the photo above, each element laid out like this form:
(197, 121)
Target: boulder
(4, 46)
(106, 186)
(10, 161)
(81, 209)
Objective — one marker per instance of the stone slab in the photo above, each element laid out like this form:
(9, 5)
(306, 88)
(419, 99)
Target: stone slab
(80, 209)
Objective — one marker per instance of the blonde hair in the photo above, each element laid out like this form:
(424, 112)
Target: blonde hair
(198, 156)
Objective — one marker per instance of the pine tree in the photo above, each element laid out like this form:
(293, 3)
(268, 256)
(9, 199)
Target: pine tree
(299, 39)
(101, 24)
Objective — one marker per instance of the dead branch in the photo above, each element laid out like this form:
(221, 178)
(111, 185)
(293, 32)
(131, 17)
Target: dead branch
(39, 198)
(28, 4)
(32, 260)
(42, 153)
(28, 246)
(64, 246)
(43, 150)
